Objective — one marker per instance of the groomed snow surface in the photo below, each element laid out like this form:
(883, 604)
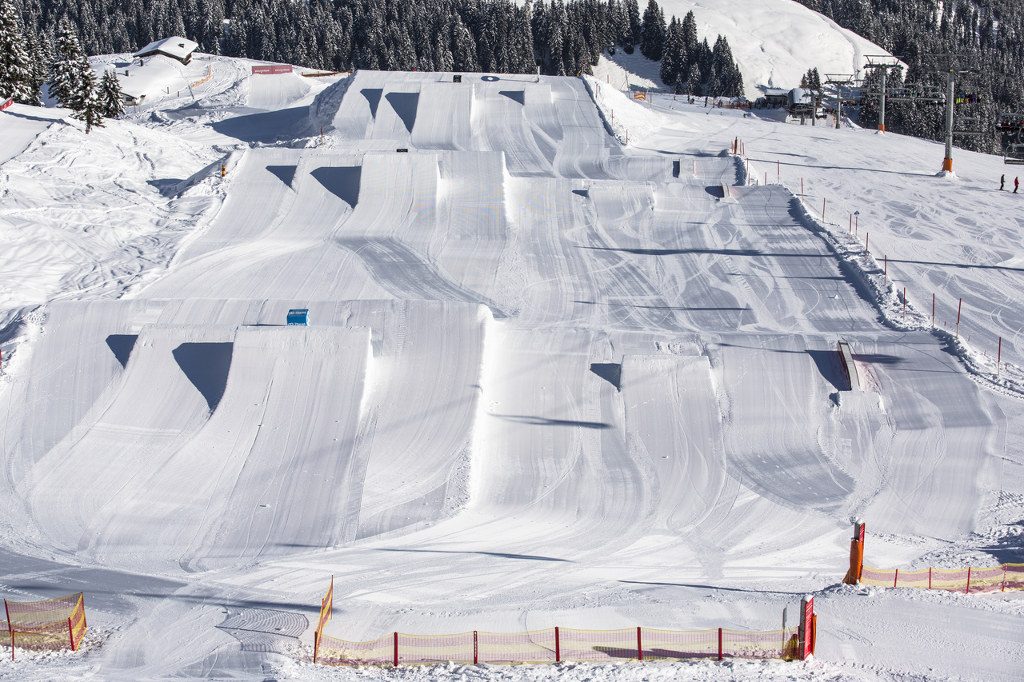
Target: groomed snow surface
(551, 378)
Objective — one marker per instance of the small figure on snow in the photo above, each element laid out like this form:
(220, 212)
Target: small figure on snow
(1002, 181)
(1016, 185)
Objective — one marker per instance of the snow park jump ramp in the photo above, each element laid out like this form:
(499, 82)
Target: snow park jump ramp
(547, 378)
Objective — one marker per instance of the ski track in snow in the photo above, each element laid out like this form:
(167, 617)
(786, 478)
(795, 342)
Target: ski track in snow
(563, 368)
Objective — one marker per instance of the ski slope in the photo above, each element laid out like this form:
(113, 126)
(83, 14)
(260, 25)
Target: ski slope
(566, 365)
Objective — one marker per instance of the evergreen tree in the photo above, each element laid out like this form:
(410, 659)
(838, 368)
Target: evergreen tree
(16, 75)
(67, 75)
(674, 59)
(633, 26)
(111, 97)
(91, 110)
(652, 32)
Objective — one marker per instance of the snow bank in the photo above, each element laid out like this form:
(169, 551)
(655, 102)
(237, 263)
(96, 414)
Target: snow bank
(625, 119)
(774, 42)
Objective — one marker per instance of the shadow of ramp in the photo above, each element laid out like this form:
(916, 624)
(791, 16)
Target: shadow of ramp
(285, 174)
(372, 96)
(830, 367)
(405, 105)
(609, 371)
(270, 126)
(121, 346)
(206, 365)
(341, 181)
(514, 95)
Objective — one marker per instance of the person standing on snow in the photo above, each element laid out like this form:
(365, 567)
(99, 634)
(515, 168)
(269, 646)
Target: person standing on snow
(1016, 185)
(1002, 182)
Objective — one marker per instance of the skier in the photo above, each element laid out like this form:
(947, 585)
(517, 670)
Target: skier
(1016, 185)
(1002, 182)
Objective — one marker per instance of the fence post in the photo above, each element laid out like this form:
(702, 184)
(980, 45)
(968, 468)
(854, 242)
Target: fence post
(719, 643)
(968, 590)
(999, 354)
(395, 657)
(10, 626)
(71, 635)
(933, 308)
(558, 647)
(823, 209)
(856, 554)
(639, 645)
(896, 578)
(929, 577)
(476, 649)
(1002, 586)
(959, 307)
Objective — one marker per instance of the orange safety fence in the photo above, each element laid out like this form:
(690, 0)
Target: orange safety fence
(46, 624)
(326, 611)
(555, 645)
(967, 580)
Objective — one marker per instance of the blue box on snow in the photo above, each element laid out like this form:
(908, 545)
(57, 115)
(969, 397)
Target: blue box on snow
(298, 316)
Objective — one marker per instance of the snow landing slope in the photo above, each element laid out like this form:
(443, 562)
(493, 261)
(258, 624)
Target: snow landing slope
(549, 379)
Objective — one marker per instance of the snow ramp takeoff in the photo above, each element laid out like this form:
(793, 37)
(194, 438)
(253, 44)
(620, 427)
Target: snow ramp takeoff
(173, 380)
(166, 484)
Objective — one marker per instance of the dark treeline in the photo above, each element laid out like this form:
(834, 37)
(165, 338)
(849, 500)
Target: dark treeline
(930, 36)
(557, 36)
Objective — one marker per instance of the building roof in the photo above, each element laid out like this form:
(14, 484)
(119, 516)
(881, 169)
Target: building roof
(175, 46)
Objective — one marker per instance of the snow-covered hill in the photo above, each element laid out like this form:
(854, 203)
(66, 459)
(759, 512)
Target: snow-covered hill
(567, 364)
(774, 42)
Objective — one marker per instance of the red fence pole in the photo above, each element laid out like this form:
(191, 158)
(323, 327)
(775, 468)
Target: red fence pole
(719, 643)
(968, 590)
(71, 635)
(1002, 586)
(10, 627)
(639, 645)
(823, 209)
(933, 308)
(476, 649)
(929, 577)
(395, 659)
(316, 646)
(959, 307)
(896, 577)
(999, 354)
(558, 647)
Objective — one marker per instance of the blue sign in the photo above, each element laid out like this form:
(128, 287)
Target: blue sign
(298, 316)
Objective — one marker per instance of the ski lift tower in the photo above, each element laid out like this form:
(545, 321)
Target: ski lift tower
(882, 63)
(840, 82)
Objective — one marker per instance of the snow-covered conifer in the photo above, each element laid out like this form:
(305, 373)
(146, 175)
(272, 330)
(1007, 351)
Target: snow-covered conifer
(15, 66)
(111, 98)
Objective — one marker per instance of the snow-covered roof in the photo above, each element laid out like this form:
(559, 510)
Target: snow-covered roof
(175, 46)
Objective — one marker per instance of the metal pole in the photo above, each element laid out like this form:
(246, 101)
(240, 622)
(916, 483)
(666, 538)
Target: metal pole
(881, 106)
(839, 106)
(947, 163)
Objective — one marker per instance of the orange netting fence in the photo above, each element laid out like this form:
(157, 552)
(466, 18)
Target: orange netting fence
(555, 645)
(967, 580)
(46, 624)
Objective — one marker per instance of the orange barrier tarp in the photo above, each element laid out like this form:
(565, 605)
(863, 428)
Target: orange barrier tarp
(968, 580)
(47, 623)
(561, 644)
